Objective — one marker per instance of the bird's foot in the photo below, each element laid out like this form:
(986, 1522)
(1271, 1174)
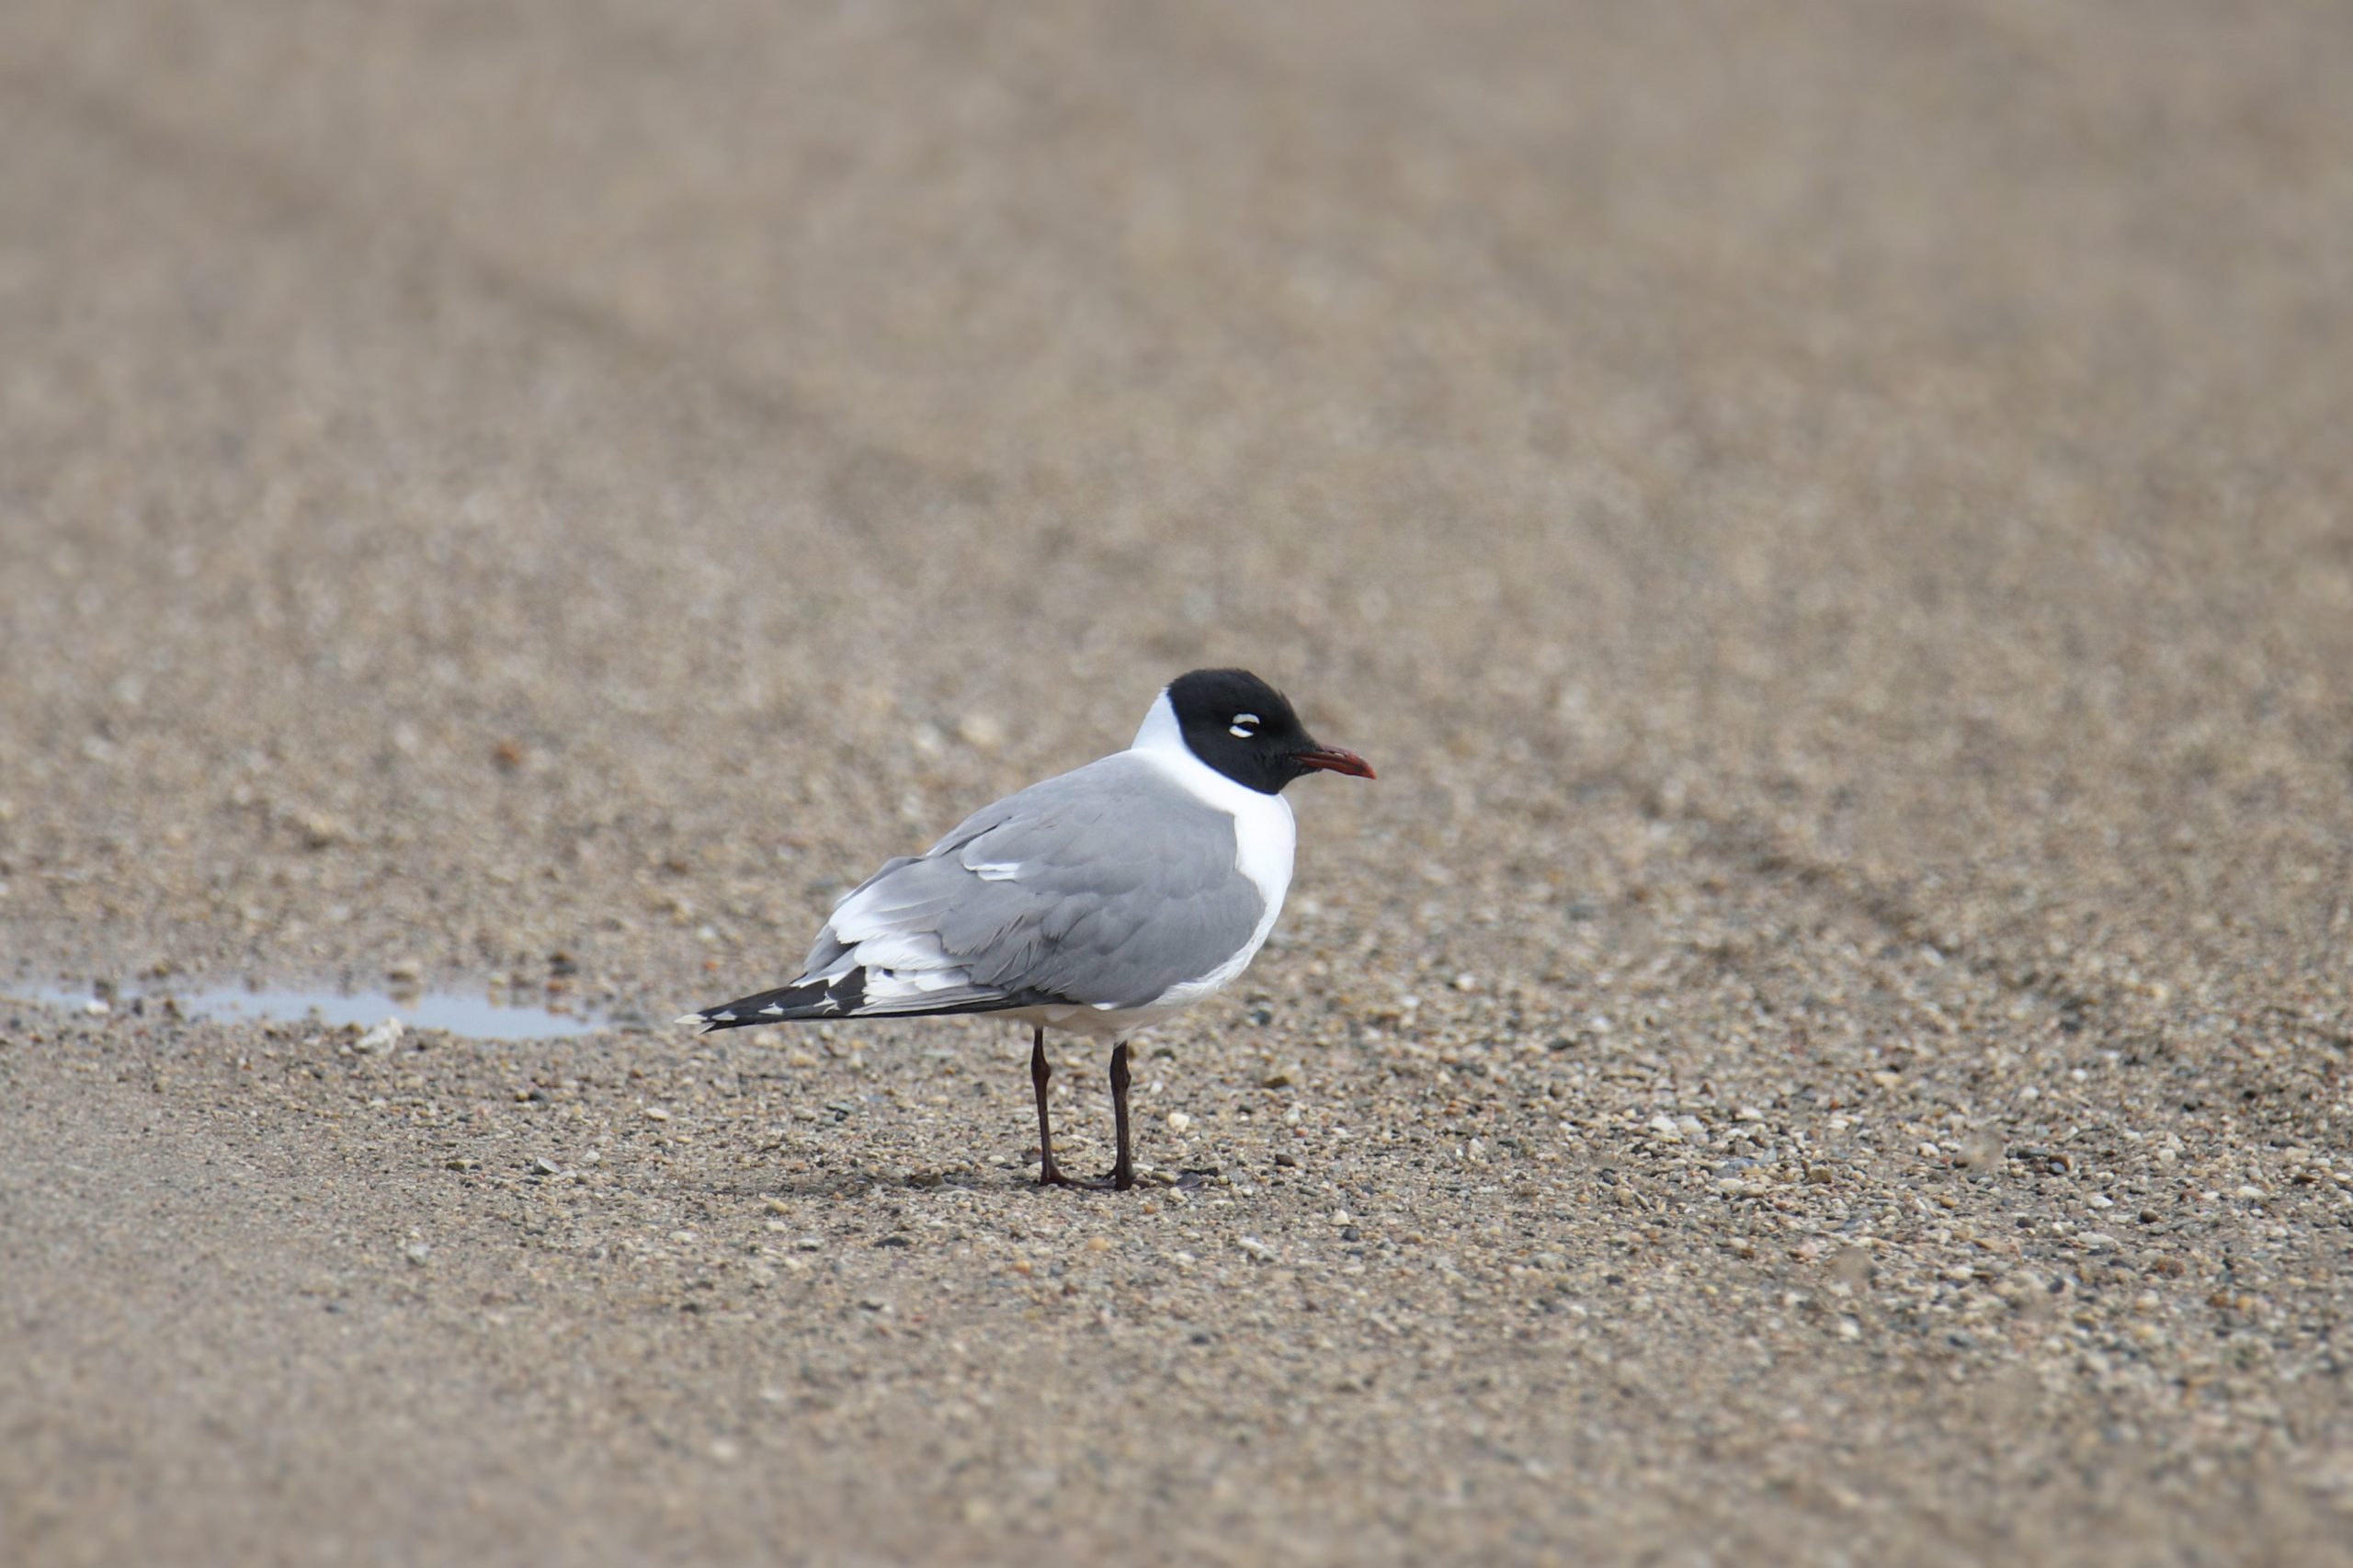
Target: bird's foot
(1118, 1180)
(1109, 1182)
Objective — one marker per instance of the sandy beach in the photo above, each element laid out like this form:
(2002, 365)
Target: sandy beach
(1830, 1041)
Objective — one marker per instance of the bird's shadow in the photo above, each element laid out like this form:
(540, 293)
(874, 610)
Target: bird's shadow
(858, 1184)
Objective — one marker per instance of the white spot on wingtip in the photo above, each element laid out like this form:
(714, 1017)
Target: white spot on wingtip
(690, 1021)
(721, 1017)
(773, 1010)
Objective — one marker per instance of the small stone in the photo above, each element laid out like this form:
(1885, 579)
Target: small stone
(405, 972)
(1278, 1079)
(656, 1113)
(1178, 1123)
(321, 831)
(1255, 1248)
(545, 1166)
(383, 1037)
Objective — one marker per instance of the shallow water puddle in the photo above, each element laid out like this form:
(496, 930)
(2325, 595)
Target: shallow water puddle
(477, 1017)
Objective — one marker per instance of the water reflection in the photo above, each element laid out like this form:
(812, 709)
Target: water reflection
(476, 1016)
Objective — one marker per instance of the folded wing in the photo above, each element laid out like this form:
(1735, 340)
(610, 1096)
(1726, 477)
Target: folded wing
(1103, 888)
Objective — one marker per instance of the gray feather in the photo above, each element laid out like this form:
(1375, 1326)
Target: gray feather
(1103, 886)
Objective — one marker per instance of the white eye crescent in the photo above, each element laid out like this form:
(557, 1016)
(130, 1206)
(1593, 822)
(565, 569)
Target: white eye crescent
(1245, 725)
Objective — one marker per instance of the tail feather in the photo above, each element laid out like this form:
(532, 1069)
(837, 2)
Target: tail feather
(848, 995)
(838, 998)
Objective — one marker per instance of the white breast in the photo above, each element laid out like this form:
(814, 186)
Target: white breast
(1265, 836)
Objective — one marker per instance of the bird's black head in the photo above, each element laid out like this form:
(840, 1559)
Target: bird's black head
(1245, 729)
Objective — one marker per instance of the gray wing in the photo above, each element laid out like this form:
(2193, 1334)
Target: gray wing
(1104, 887)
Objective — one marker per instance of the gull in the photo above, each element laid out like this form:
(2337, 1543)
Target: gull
(1098, 902)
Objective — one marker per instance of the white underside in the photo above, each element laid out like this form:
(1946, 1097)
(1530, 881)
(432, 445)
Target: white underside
(1103, 1023)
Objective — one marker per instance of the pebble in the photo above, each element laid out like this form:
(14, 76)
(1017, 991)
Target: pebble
(383, 1037)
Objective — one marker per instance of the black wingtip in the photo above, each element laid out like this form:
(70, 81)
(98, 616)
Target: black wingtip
(836, 998)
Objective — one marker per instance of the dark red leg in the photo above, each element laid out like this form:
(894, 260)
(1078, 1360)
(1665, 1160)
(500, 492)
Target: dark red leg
(1048, 1174)
(1123, 1172)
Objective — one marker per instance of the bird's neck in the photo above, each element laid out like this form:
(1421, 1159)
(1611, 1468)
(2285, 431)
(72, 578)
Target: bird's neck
(1159, 732)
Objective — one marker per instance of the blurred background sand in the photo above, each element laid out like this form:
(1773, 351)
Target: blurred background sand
(1830, 1035)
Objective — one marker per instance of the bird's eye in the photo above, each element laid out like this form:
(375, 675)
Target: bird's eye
(1245, 725)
